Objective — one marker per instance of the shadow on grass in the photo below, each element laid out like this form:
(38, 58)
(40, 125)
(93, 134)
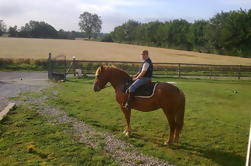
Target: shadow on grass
(80, 80)
(217, 156)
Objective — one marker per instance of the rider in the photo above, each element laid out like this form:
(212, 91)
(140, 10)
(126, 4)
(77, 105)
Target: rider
(143, 76)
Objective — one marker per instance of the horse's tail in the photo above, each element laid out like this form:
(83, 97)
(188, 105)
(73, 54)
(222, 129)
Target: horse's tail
(179, 118)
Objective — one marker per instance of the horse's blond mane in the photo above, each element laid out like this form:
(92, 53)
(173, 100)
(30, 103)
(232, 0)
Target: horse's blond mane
(110, 67)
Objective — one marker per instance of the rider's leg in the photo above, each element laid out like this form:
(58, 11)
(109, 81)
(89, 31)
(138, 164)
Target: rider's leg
(132, 89)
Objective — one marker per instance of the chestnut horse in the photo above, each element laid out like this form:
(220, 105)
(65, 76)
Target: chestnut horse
(166, 96)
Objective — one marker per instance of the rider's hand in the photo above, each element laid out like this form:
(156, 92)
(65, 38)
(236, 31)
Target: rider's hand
(134, 78)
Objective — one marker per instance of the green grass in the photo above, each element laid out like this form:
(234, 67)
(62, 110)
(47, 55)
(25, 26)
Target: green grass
(216, 120)
(26, 138)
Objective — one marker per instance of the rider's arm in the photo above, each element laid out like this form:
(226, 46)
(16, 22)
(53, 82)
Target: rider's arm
(143, 71)
(141, 74)
(134, 76)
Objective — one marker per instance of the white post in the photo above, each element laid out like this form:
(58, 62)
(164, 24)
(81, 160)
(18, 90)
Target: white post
(248, 161)
(72, 65)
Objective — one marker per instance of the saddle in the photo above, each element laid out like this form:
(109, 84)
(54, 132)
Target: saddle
(145, 91)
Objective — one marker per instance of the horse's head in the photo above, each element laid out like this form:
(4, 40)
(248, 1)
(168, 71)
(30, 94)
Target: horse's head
(100, 80)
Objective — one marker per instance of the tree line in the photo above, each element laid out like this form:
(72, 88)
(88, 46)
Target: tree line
(90, 25)
(226, 33)
(39, 29)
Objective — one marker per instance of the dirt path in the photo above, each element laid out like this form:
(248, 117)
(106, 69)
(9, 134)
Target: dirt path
(13, 83)
(122, 153)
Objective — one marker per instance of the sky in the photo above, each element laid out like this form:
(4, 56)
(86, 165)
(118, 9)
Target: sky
(64, 14)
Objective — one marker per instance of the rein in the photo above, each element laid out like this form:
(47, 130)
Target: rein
(107, 86)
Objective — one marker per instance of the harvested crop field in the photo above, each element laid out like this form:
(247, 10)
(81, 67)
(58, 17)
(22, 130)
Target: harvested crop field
(91, 50)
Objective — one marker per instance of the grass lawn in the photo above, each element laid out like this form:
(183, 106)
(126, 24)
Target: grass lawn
(26, 138)
(216, 127)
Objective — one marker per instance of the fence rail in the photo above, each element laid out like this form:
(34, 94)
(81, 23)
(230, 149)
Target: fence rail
(168, 69)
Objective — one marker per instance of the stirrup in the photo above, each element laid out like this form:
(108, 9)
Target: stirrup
(127, 106)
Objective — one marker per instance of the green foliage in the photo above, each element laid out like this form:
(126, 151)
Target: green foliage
(23, 64)
(216, 127)
(226, 33)
(232, 32)
(126, 32)
(2, 27)
(38, 29)
(13, 31)
(106, 38)
(201, 32)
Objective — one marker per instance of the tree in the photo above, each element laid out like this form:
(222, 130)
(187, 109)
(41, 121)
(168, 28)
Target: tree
(38, 30)
(2, 27)
(90, 24)
(178, 34)
(13, 31)
(107, 38)
(201, 32)
(153, 30)
(232, 33)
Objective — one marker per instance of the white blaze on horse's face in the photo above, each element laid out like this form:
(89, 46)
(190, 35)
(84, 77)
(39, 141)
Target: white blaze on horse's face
(99, 81)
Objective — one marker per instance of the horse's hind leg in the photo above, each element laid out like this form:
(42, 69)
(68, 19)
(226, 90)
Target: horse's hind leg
(171, 120)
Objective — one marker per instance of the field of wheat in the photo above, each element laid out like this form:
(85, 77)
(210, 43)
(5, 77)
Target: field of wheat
(91, 50)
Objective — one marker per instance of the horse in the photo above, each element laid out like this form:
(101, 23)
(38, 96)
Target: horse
(167, 96)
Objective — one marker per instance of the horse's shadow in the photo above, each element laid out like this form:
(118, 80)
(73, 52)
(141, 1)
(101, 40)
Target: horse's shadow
(218, 156)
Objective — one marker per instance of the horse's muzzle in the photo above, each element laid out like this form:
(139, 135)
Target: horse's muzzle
(96, 88)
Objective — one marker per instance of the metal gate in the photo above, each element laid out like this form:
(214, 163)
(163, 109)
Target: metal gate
(57, 67)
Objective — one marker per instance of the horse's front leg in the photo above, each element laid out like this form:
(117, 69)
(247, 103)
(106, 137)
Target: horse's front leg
(127, 114)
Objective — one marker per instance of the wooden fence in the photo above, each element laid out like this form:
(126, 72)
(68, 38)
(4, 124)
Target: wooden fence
(168, 69)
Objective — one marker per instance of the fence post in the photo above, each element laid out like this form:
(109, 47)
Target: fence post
(65, 67)
(49, 67)
(239, 72)
(179, 70)
(211, 71)
(248, 159)
(73, 65)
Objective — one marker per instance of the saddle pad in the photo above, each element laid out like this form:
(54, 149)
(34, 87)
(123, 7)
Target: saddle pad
(144, 91)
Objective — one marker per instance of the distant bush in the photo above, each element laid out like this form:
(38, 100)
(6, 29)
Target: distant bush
(7, 64)
(107, 38)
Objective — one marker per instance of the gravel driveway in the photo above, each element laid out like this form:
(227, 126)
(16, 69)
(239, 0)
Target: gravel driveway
(13, 83)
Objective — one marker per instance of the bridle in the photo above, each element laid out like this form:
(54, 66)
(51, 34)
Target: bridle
(107, 86)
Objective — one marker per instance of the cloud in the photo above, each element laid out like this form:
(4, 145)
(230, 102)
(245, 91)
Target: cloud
(8, 9)
(236, 2)
(64, 14)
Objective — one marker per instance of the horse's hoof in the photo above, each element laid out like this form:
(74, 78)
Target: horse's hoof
(167, 143)
(127, 134)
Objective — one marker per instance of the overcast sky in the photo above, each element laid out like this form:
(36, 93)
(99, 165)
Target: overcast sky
(64, 14)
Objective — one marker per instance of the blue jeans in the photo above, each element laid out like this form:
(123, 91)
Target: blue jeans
(138, 83)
